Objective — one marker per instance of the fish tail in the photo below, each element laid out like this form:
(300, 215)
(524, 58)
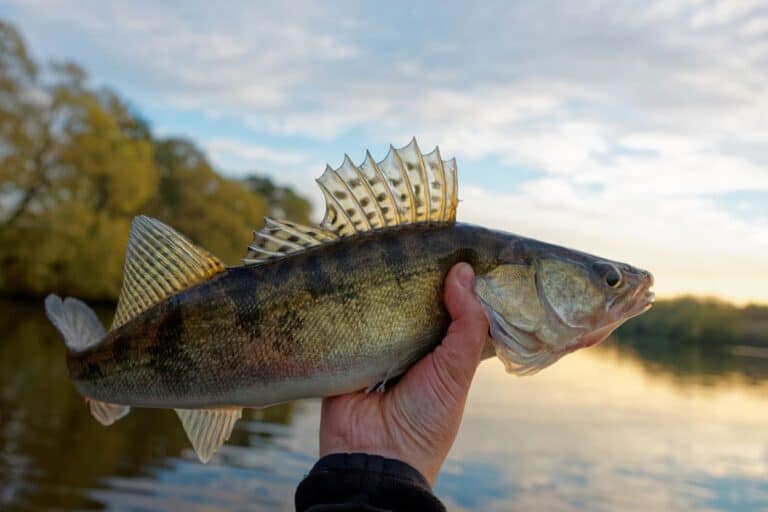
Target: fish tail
(80, 328)
(75, 321)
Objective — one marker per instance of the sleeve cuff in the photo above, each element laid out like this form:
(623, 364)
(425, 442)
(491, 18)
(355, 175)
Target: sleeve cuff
(358, 481)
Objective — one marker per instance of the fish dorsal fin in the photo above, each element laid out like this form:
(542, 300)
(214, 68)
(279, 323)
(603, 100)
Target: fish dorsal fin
(281, 237)
(406, 187)
(207, 429)
(159, 262)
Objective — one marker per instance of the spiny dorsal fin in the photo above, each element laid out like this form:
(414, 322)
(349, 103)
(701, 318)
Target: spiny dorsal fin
(280, 237)
(406, 187)
(207, 429)
(159, 262)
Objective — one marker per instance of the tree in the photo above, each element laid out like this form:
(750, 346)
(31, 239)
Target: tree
(74, 173)
(217, 213)
(283, 202)
(77, 164)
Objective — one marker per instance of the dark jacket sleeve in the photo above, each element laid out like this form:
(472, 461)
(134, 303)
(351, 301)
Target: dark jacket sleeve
(358, 481)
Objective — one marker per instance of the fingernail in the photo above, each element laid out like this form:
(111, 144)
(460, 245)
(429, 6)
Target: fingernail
(465, 276)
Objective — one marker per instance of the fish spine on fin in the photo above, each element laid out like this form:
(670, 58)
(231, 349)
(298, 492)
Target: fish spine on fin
(207, 429)
(106, 413)
(281, 237)
(75, 321)
(159, 262)
(406, 187)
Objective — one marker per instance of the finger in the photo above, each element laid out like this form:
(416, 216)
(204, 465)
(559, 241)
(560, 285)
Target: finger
(459, 353)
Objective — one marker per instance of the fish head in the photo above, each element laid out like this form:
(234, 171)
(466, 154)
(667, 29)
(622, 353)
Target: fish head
(545, 301)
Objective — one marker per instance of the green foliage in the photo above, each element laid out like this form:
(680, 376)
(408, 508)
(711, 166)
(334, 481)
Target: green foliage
(218, 214)
(284, 203)
(696, 337)
(76, 165)
(689, 320)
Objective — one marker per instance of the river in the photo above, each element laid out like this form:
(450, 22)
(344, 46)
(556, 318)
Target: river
(603, 429)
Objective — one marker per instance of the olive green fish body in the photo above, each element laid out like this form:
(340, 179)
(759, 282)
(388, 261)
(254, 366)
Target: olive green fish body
(335, 319)
(333, 308)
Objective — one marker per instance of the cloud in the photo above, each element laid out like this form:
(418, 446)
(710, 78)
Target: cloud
(201, 56)
(724, 11)
(691, 245)
(640, 122)
(253, 155)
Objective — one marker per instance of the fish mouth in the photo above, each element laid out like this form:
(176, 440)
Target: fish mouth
(640, 306)
(641, 300)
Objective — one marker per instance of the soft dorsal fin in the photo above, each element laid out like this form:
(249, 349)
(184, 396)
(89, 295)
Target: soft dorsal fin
(159, 262)
(280, 237)
(406, 187)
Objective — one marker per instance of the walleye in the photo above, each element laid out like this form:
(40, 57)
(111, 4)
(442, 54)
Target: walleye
(323, 310)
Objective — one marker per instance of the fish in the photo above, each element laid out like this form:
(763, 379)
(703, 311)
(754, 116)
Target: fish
(321, 310)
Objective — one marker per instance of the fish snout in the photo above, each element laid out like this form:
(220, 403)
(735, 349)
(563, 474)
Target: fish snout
(643, 297)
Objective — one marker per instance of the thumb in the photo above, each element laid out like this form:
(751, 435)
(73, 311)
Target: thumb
(459, 353)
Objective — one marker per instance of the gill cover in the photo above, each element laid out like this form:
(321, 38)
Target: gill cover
(519, 320)
(557, 301)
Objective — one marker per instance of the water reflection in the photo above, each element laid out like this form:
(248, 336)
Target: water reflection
(602, 430)
(699, 364)
(597, 432)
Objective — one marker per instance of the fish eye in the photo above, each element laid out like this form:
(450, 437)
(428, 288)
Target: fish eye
(613, 277)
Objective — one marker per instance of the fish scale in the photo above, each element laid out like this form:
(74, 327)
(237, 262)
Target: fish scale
(254, 324)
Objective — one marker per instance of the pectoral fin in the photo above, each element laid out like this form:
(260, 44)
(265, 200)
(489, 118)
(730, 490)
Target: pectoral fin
(207, 429)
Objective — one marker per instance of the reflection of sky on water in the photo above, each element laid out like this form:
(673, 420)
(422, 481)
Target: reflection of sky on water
(597, 431)
(259, 472)
(483, 479)
(593, 433)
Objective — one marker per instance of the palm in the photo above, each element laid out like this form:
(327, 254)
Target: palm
(417, 419)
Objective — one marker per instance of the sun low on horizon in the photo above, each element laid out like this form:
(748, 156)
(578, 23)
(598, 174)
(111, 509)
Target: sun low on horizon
(635, 130)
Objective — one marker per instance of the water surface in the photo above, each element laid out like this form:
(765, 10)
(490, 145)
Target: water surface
(604, 429)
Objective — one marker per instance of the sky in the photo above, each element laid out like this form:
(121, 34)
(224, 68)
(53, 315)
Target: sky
(636, 130)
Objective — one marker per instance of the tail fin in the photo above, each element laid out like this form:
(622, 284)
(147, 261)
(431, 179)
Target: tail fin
(81, 329)
(76, 322)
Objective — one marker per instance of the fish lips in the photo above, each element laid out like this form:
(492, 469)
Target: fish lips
(642, 300)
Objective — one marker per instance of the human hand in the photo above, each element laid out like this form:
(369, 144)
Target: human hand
(417, 420)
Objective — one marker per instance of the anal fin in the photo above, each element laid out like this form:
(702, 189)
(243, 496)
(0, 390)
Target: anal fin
(106, 413)
(207, 429)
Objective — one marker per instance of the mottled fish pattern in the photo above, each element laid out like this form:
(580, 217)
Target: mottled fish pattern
(370, 302)
(329, 309)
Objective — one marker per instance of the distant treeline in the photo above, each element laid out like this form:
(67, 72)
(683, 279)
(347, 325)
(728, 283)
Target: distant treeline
(77, 164)
(701, 338)
(690, 320)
